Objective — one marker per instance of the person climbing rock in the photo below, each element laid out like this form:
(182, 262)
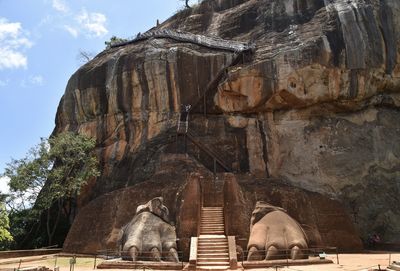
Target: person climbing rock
(185, 112)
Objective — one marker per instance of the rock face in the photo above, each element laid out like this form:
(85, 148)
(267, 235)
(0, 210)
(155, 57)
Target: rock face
(316, 105)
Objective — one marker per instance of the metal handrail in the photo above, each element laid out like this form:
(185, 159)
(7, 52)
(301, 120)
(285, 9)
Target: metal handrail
(284, 254)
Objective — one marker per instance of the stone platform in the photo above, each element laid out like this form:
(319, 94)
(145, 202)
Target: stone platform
(121, 264)
(284, 262)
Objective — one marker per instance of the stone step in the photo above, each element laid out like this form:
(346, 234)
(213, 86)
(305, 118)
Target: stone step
(223, 263)
(221, 242)
(210, 268)
(224, 256)
(212, 212)
(211, 232)
(213, 237)
(210, 251)
(212, 245)
(220, 254)
(213, 260)
(213, 242)
(213, 250)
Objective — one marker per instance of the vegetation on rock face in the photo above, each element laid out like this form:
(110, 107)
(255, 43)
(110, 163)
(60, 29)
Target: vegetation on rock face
(44, 185)
(114, 40)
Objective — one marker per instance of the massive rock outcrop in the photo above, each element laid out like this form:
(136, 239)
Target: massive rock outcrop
(315, 105)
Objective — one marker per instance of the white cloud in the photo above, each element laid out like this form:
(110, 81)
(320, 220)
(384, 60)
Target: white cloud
(73, 31)
(13, 43)
(93, 23)
(37, 80)
(4, 185)
(60, 5)
(33, 80)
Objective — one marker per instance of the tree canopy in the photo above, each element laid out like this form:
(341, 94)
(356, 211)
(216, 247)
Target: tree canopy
(5, 235)
(49, 179)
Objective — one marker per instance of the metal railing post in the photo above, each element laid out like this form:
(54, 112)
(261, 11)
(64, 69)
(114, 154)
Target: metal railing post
(337, 255)
(287, 258)
(215, 168)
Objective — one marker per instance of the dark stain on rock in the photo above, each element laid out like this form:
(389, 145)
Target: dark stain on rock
(389, 35)
(353, 87)
(264, 142)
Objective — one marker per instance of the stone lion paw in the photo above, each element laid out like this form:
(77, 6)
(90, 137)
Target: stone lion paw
(275, 235)
(149, 236)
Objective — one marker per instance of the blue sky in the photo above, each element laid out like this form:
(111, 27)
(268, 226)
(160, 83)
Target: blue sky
(39, 45)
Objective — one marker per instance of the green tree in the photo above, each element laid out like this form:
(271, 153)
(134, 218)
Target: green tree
(5, 236)
(48, 180)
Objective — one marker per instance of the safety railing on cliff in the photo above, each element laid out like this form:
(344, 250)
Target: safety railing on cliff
(215, 156)
(237, 47)
(213, 84)
(182, 129)
(206, 41)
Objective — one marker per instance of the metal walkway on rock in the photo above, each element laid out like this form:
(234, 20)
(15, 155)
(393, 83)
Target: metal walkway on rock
(207, 41)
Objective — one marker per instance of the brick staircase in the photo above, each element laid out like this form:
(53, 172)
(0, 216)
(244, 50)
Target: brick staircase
(212, 247)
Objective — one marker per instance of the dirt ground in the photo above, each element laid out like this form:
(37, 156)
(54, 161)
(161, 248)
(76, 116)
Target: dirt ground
(347, 262)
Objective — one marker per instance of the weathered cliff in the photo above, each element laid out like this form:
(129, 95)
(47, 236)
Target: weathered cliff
(315, 104)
